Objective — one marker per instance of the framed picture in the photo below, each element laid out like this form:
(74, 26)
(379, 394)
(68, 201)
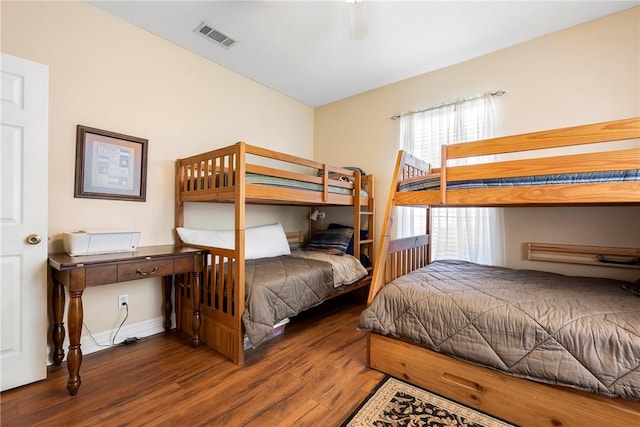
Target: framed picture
(110, 165)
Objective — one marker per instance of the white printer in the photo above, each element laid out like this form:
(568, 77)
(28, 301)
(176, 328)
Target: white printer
(99, 242)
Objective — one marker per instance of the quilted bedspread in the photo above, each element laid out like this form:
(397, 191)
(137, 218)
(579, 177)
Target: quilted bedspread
(573, 331)
(346, 268)
(281, 287)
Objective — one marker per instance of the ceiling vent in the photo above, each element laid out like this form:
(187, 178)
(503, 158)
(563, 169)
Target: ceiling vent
(210, 33)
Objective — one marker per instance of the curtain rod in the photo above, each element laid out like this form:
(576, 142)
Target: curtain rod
(446, 104)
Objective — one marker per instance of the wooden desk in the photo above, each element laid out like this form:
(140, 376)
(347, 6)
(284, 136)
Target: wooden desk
(79, 272)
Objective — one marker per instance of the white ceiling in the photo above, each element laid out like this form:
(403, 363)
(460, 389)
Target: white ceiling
(303, 49)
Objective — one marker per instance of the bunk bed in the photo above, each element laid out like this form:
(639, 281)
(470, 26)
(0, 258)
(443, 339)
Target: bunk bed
(243, 174)
(589, 177)
(435, 351)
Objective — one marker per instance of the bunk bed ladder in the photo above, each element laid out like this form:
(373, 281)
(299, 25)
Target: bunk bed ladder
(365, 215)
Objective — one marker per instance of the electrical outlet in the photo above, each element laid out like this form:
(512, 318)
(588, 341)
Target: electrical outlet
(122, 300)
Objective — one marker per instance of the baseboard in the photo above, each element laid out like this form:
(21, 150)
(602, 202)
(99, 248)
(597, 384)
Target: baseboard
(88, 345)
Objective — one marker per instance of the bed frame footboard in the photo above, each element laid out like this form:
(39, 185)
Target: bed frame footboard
(517, 400)
(211, 314)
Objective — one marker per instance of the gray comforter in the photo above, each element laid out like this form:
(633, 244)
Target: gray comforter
(573, 331)
(281, 287)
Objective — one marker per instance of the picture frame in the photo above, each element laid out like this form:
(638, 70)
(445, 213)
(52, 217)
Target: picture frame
(110, 165)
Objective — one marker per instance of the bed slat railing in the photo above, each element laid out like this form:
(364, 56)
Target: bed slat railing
(616, 130)
(262, 170)
(577, 163)
(292, 161)
(413, 167)
(406, 255)
(209, 171)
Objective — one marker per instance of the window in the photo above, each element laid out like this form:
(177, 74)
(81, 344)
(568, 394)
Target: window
(471, 234)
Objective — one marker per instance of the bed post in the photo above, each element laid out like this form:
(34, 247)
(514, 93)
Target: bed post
(443, 175)
(179, 204)
(357, 211)
(240, 211)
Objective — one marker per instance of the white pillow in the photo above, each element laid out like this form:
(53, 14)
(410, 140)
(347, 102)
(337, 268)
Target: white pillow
(266, 241)
(260, 242)
(219, 239)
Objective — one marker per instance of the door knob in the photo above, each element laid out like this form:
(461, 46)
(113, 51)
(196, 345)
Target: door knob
(34, 239)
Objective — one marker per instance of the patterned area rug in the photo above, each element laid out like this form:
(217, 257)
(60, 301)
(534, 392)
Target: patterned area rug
(395, 403)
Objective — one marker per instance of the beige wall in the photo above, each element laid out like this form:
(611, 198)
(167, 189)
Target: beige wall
(584, 74)
(108, 74)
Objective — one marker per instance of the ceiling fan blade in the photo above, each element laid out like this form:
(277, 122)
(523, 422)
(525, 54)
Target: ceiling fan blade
(358, 22)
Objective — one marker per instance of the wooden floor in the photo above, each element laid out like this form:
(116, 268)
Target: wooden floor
(314, 374)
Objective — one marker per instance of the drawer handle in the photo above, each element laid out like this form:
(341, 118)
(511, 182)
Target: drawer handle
(144, 273)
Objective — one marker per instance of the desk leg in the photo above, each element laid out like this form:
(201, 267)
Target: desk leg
(195, 298)
(167, 286)
(74, 358)
(57, 335)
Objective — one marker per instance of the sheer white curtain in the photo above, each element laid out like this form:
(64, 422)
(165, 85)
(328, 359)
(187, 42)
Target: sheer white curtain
(472, 234)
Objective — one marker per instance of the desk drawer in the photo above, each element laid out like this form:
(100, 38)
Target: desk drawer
(143, 269)
(101, 275)
(185, 265)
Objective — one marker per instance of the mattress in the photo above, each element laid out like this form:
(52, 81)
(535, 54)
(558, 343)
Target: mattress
(254, 178)
(432, 181)
(573, 331)
(280, 287)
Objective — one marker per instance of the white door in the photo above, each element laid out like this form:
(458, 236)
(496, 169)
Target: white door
(23, 219)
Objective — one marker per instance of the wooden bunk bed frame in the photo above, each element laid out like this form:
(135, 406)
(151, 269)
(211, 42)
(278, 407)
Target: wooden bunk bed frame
(514, 399)
(562, 194)
(213, 315)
